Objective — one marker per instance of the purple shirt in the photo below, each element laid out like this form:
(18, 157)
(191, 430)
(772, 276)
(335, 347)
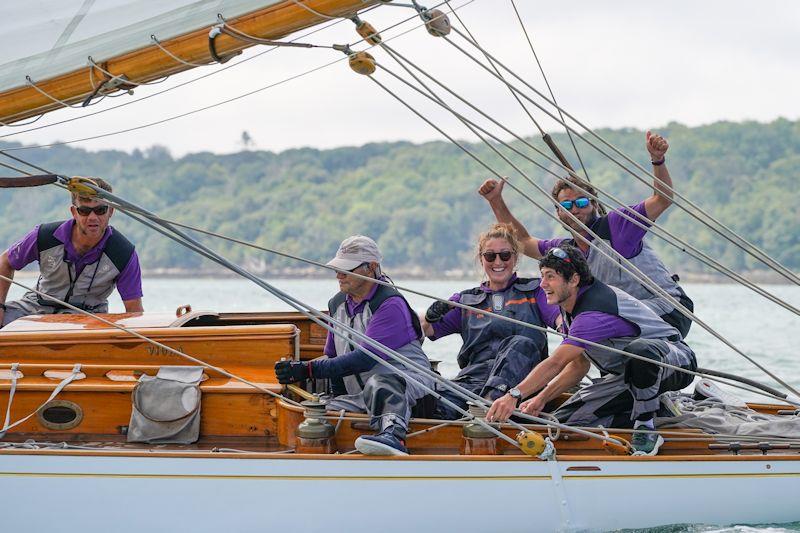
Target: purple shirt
(26, 251)
(390, 325)
(451, 321)
(626, 237)
(595, 326)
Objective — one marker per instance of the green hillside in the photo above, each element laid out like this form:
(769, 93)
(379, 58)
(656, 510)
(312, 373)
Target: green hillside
(419, 201)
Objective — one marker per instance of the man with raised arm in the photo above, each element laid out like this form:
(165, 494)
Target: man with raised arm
(629, 388)
(381, 313)
(81, 261)
(616, 234)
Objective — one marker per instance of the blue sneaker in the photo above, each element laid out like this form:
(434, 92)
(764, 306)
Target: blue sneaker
(381, 444)
(646, 443)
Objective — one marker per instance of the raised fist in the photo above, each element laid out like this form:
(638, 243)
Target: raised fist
(492, 189)
(656, 145)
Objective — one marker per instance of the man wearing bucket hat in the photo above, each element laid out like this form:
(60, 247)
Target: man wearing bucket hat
(381, 313)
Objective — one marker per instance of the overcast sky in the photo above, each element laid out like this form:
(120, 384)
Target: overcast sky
(611, 64)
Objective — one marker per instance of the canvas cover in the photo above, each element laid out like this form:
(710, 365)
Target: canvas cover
(166, 407)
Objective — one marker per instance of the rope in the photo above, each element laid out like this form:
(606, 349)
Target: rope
(126, 81)
(48, 95)
(176, 58)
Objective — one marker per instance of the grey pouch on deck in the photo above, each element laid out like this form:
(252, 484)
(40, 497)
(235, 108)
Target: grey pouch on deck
(166, 408)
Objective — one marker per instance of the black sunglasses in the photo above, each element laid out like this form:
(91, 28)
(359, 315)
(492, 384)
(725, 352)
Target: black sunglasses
(505, 255)
(85, 210)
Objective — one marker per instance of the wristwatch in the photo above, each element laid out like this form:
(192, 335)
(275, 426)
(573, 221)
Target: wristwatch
(515, 393)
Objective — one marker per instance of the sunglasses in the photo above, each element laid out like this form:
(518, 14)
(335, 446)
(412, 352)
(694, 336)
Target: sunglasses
(580, 203)
(504, 256)
(560, 253)
(85, 211)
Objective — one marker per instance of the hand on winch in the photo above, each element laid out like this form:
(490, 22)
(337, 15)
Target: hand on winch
(289, 372)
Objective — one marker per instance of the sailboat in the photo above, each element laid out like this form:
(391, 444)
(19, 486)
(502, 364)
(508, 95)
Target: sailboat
(268, 456)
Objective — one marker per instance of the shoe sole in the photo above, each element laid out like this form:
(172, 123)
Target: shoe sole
(371, 447)
(655, 449)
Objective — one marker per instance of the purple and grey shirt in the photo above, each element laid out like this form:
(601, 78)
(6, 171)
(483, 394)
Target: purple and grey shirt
(25, 251)
(597, 327)
(390, 325)
(625, 235)
(451, 322)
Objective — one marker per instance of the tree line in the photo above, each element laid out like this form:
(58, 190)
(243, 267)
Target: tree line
(419, 201)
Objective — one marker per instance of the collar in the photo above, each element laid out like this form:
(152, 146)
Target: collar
(485, 285)
(64, 234)
(352, 306)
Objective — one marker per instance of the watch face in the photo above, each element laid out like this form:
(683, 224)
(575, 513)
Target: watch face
(515, 393)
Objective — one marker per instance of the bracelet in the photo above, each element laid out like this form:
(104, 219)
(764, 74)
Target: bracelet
(659, 163)
(3, 306)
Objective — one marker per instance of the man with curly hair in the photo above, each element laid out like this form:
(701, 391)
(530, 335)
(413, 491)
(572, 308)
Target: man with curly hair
(630, 387)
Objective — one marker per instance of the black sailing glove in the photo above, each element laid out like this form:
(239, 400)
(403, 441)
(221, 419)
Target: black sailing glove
(436, 311)
(291, 371)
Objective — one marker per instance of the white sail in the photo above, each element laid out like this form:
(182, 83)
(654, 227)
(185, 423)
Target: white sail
(43, 47)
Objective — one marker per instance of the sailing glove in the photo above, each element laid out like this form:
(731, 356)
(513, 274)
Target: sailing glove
(436, 311)
(291, 371)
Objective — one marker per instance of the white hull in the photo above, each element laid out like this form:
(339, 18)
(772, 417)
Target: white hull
(89, 492)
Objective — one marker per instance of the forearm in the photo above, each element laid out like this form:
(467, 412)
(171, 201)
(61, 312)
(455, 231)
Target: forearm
(6, 271)
(540, 376)
(662, 185)
(133, 306)
(567, 378)
(503, 214)
(343, 365)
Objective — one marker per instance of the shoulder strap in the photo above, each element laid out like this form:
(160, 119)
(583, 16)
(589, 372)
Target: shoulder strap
(45, 238)
(602, 228)
(119, 249)
(335, 302)
(526, 284)
(598, 297)
(384, 292)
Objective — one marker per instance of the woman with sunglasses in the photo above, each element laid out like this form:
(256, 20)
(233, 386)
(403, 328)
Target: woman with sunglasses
(618, 235)
(81, 261)
(496, 354)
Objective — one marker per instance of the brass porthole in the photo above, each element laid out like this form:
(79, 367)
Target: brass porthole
(59, 415)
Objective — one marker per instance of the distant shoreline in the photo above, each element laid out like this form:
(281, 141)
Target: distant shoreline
(757, 276)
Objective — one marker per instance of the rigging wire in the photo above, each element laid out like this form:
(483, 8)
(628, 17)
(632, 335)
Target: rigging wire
(646, 224)
(632, 269)
(331, 324)
(134, 212)
(736, 239)
(550, 89)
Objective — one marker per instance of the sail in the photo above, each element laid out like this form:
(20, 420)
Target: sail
(46, 59)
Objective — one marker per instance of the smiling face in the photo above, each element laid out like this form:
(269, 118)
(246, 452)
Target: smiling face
(91, 226)
(558, 290)
(584, 214)
(498, 271)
